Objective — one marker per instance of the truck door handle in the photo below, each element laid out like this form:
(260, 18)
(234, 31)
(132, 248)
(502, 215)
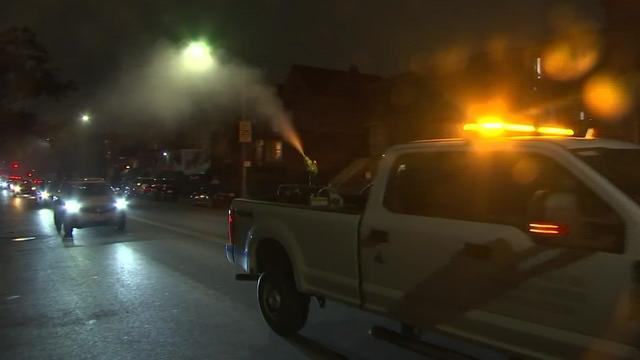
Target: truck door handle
(378, 237)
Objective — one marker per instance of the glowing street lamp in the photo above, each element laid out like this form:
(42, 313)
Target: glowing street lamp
(197, 57)
(85, 118)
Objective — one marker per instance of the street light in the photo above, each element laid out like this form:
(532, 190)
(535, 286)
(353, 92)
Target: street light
(85, 117)
(165, 154)
(197, 57)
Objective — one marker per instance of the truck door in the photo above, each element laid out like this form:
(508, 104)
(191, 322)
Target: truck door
(447, 244)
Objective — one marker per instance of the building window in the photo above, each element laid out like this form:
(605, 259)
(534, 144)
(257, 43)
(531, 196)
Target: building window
(277, 146)
(274, 151)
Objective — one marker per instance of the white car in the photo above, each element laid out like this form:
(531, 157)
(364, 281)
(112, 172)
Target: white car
(88, 203)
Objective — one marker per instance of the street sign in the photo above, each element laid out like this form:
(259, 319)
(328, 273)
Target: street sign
(244, 131)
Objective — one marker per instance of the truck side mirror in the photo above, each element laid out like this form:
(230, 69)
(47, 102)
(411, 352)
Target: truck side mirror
(561, 219)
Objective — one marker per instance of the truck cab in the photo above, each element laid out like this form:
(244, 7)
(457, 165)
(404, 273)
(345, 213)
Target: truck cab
(530, 240)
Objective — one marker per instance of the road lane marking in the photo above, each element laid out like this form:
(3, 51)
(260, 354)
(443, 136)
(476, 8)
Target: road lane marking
(26, 238)
(179, 230)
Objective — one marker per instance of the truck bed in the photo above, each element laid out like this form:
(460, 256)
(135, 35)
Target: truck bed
(321, 243)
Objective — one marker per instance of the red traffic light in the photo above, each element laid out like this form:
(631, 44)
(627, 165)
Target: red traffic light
(15, 165)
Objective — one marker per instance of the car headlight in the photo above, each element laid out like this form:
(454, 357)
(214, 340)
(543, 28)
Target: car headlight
(72, 206)
(17, 188)
(121, 204)
(45, 194)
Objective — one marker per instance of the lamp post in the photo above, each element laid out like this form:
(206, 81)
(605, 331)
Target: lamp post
(197, 57)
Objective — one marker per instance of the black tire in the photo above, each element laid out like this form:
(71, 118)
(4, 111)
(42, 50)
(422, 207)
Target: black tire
(67, 229)
(283, 308)
(122, 223)
(57, 223)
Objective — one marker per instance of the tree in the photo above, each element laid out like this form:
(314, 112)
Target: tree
(25, 75)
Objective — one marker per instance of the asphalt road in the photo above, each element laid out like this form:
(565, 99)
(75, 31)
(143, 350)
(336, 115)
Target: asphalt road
(161, 290)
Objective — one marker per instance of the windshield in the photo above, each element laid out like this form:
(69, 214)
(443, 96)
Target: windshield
(620, 166)
(92, 189)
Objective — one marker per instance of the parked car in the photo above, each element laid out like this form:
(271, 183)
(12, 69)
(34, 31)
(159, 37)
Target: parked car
(141, 186)
(25, 188)
(529, 245)
(164, 189)
(201, 197)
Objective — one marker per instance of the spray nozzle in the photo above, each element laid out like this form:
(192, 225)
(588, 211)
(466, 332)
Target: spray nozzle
(311, 165)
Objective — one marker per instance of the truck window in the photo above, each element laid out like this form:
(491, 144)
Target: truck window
(512, 180)
(620, 166)
(494, 187)
(430, 184)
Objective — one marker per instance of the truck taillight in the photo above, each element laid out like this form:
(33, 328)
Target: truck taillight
(230, 224)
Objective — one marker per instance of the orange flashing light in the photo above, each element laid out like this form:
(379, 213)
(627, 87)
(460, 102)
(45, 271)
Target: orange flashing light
(520, 128)
(547, 229)
(547, 130)
(495, 127)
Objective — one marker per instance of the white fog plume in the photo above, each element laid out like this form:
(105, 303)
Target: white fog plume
(162, 87)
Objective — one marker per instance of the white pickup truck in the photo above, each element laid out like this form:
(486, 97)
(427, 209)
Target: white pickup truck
(527, 244)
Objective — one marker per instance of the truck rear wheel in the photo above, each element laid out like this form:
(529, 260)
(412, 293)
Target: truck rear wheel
(283, 308)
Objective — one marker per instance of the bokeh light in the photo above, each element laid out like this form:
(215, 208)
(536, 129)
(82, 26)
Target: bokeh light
(575, 48)
(606, 97)
(565, 60)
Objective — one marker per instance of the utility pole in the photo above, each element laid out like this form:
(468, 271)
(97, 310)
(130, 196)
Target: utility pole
(244, 137)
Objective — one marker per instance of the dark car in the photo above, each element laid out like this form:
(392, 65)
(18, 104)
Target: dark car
(164, 189)
(87, 203)
(26, 188)
(142, 186)
(201, 197)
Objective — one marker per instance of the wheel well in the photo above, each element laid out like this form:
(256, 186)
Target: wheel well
(271, 255)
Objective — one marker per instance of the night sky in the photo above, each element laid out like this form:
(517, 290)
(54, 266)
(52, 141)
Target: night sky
(90, 40)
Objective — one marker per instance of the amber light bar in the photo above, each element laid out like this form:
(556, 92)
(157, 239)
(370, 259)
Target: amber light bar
(497, 128)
